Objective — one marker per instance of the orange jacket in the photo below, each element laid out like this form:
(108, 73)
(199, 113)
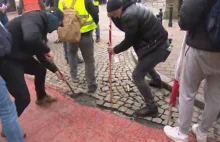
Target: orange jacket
(30, 5)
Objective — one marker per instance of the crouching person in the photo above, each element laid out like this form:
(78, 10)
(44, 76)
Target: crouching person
(150, 41)
(28, 32)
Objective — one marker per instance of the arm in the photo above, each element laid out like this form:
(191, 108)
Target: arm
(92, 10)
(33, 37)
(42, 6)
(130, 25)
(7, 3)
(50, 66)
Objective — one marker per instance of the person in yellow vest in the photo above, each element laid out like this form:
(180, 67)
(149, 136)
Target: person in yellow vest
(89, 16)
(97, 30)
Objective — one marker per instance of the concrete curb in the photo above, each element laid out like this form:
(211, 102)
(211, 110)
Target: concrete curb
(168, 83)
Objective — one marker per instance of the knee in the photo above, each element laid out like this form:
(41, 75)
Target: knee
(136, 76)
(22, 103)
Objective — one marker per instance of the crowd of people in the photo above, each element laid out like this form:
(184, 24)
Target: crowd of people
(25, 37)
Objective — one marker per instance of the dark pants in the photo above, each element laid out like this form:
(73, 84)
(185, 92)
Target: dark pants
(13, 73)
(144, 66)
(4, 18)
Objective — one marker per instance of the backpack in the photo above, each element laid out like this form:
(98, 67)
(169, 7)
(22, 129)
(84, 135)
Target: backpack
(5, 41)
(213, 24)
(70, 32)
(191, 13)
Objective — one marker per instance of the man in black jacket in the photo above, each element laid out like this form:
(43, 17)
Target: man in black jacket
(201, 63)
(149, 39)
(28, 33)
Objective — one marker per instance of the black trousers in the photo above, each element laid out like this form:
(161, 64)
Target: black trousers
(13, 74)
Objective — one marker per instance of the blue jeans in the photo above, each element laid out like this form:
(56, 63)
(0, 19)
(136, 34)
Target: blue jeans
(4, 18)
(8, 115)
(97, 31)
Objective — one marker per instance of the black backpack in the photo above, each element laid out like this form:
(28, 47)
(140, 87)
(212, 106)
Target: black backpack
(213, 24)
(5, 41)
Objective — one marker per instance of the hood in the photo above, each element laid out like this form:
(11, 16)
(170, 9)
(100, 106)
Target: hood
(127, 3)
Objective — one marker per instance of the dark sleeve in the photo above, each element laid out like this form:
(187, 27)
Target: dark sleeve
(42, 6)
(130, 25)
(50, 66)
(117, 22)
(56, 2)
(33, 37)
(92, 10)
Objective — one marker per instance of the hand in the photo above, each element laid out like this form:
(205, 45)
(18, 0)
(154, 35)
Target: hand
(49, 56)
(4, 7)
(60, 75)
(111, 50)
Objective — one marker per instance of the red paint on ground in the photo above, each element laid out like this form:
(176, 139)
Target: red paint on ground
(68, 121)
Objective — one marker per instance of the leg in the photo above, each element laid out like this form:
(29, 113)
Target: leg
(79, 61)
(87, 49)
(143, 67)
(97, 30)
(156, 80)
(8, 116)
(13, 74)
(33, 67)
(65, 51)
(192, 77)
(72, 57)
(4, 19)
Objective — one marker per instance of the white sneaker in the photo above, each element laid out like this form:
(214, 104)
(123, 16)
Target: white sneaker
(174, 134)
(200, 137)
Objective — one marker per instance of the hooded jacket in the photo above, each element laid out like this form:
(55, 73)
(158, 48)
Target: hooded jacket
(28, 38)
(142, 30)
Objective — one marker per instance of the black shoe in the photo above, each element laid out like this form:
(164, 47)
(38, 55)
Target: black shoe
(92, 89)
(97, 39)
(147, 111)
(157, 83)
(79, 61)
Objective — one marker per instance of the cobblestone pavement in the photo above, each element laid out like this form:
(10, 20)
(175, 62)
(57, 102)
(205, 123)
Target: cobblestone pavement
(126, 98)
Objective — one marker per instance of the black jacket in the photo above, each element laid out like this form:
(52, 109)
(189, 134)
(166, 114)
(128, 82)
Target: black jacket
(90, 7)
(28, 38)
(198, 37)
(142, 29)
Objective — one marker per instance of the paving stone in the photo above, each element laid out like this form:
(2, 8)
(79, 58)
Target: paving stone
(148, 118)
(115, 106)
(137, 104)
(129, 112)
(158, 93)
(157, 120)
(130, 101)
(123, 109)
(166, 106)
(108, 105)
(123, 99)
(128, 105)
(135, 108)
(99, 102)
(120, 103)
(161, 102)
(161, 111)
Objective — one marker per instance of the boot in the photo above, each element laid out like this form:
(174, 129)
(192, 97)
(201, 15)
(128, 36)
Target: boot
(157, 83)
(46, 100)
(147, 111)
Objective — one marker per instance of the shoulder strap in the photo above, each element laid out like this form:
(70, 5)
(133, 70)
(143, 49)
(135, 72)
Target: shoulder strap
(64, 4)
(73, 4)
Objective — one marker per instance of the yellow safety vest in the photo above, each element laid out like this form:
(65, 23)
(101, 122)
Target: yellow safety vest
(86, 19)
(96, 2)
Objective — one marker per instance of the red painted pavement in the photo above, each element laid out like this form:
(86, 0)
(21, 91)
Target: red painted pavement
(68, 121)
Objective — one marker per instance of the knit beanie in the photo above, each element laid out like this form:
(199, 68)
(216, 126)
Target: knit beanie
(113, 5)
